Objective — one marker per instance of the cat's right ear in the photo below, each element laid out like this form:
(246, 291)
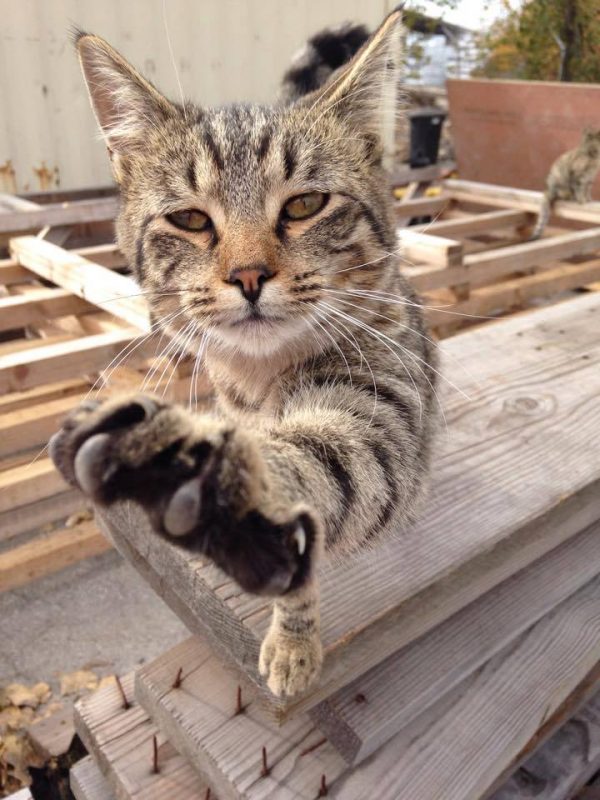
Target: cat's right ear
(125, 103)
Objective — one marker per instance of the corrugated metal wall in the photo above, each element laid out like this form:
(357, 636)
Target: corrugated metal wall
(224, 49)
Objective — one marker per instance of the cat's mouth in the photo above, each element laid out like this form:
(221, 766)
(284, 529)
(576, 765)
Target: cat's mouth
(255, 318)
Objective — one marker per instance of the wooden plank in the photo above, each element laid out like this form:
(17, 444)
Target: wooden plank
(120, 740)
(49, 553)
(492, 510)
(514, 293)
(53, 362)
(39, 513)
(25, 484)
(398, 690)
(112, 292)
(475, 223)
(52, 214)
(88, 783)
(33, 425)
(426, 249)
(461, 752)
(405, 174)
(421, 207)
(200, 721)
(38, 306)
(482, 268)
(521, 199)
(52, 736)
(42, 394)
(565, 763)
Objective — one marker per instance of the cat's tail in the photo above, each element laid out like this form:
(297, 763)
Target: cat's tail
(322, 55)
(543, 216)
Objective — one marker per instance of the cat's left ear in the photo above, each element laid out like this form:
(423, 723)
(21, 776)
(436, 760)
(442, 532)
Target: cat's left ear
(126, 105)
(365, 91)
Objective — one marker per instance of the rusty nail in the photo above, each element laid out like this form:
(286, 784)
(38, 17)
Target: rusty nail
(178, 678)
(265, 767)
(155, 769)
(207, 795)
(126, 703)
(313, 747)
(323, 788)
(360, 698)
(239, 708)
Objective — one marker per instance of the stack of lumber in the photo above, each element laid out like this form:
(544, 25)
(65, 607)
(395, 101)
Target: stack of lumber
(451, 653)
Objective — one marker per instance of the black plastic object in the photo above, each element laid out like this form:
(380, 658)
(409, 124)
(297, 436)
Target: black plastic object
(425, 131)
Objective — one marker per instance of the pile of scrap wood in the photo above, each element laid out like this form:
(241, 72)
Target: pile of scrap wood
(450, 654)
(474, 637)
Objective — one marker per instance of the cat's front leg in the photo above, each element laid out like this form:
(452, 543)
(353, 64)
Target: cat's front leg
(291, 654)
(203, 484)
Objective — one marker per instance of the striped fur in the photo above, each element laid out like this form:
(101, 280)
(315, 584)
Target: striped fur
(322, 432)
(571, 177)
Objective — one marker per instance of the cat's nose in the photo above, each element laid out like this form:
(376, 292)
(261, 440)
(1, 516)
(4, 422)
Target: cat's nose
(250, 280)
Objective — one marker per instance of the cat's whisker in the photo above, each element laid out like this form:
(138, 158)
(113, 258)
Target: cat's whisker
(393, 298)
(377, 336)
(182, 354)
(412, 330)
(359, 350)
(337, 347)
(417, 358)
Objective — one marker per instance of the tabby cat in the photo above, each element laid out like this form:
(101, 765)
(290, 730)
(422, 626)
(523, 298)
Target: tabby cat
(265, 237)
(571, 177)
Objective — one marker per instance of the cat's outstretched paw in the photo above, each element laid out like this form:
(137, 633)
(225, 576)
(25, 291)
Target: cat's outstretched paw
(200, 480)
(290, 663)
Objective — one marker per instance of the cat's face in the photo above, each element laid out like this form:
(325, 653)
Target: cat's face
(241, 221)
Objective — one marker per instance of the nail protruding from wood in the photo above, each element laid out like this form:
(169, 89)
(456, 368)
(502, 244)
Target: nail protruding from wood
(207, 795)
(360, 698)
(178, 678)
(265, 767)
(323, 792)
(126, 703)
(313, 747)
(155, 769)
(239, 708)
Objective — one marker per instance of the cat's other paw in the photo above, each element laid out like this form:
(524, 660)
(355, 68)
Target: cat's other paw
(290, 663)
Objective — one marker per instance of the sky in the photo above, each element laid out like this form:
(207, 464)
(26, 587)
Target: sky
(470, 13)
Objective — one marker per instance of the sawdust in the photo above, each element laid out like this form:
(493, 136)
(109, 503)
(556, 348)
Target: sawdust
(78, 682)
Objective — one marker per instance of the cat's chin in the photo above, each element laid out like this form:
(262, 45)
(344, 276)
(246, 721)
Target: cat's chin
(260, 337)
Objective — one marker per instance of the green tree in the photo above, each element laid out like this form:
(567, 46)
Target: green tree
(546, 40)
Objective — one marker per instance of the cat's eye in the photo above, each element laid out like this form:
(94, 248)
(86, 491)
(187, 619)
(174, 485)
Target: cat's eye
(304, 205)
(190, 219)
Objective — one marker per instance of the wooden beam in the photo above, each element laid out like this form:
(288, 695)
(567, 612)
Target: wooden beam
(49, 553)
(521, 199)
(121, 742)
(40, 513)
(480, 525)
(492, 715)
(406, 174)
(474, 223)
(424, 248)
(29, 482)
(421, 207)
(54, 362)
(112, 292)
(87, 781)
(514, 293)
(33, 425)
(38, 306)
(485, 267)
(398, 690)
(67, 213)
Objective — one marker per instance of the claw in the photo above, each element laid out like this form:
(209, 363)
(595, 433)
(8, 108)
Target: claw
(299, 536)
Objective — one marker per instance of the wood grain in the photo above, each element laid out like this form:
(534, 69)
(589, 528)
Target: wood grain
(120, 740)
(112, 292)
(199, 719)
(69, 213)
(369, 711)
(495, 713)
(88, 783)
(517, 473)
